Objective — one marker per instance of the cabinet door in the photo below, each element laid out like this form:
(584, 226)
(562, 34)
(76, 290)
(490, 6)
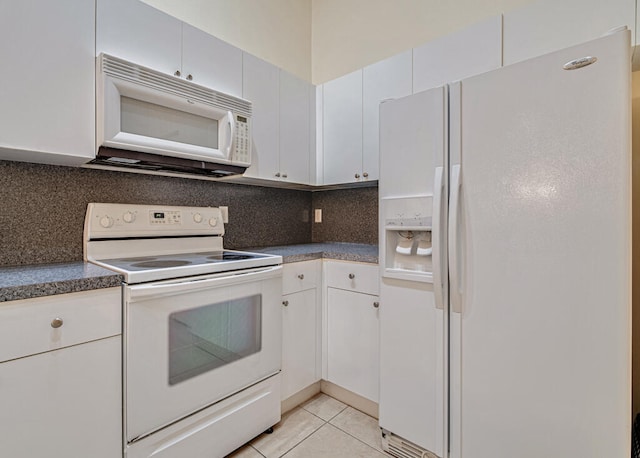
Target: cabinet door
(342, 125)
(211, 62)
(47, 96)
(470, 51)
(63, 403)
(353, 342)
(135, 31)
(299, 336)
(294, 128)
(387, 79)
(260, 86)
(545, 26)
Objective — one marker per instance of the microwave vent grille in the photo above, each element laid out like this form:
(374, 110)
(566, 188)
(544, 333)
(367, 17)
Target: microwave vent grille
(138, 74)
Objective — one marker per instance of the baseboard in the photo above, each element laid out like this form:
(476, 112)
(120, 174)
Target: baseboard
(300, 397)
(350, 398)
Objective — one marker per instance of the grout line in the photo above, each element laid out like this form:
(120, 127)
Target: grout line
(306, 437)
(356, 438)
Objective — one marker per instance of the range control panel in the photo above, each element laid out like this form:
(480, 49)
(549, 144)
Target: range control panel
(125, 220)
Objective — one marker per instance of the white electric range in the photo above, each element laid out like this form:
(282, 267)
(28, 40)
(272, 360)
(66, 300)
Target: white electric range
(201, 329)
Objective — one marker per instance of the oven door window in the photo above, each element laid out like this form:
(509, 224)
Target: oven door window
(205, 338)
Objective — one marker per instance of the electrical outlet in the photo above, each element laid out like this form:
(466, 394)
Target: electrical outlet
(318, 215)
(225, 214)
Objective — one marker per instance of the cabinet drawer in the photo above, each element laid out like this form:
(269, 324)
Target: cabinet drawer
(27, 326)
(299, 276)
(353, 276)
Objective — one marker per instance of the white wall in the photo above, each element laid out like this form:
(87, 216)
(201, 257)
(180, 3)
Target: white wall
(635, 119)
(278, 31)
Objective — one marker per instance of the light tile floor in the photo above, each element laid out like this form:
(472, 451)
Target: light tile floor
(320, 428)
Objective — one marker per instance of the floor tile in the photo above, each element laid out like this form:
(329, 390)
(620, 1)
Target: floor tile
(330, 442)
(324, 406)
(360, 426)
(294, 427)
(245, 452)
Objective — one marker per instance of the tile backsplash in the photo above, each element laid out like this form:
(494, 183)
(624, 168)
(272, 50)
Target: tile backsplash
(42, 209)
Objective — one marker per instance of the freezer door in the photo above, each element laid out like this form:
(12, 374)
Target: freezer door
(413, 328)
(540, 257)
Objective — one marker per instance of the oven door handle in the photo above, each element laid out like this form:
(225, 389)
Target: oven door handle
(168, 288)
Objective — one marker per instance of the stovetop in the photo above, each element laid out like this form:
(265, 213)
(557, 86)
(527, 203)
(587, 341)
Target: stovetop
(179, 260)
(149, 243)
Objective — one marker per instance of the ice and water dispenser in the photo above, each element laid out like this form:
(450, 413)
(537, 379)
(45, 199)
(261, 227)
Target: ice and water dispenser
(406, 251)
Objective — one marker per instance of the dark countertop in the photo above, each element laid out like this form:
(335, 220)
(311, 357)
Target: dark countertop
(356, 252)
(29, 281)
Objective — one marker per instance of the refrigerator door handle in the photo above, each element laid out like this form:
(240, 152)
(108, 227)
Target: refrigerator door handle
(454, 272)
(437, 237)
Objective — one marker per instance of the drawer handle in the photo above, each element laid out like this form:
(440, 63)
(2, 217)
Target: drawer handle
(301, 276)
(56, 323)
(376, 305)
(285, 303)
(352, 276)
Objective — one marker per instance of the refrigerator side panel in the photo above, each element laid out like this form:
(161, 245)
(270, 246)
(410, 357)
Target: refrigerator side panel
(544, 210)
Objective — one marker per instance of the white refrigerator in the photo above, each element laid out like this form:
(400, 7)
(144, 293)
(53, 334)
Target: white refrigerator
(505, 261)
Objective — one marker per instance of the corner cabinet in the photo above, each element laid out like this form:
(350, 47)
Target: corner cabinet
(350, 118)
(61, 377)
(47, 97)
(352, 342)
(301, 318)
(281, 122)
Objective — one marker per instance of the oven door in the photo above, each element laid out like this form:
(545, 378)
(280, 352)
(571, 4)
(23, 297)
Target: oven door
(192, 342)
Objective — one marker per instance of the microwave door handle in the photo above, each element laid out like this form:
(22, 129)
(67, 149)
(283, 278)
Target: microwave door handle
(232, 133)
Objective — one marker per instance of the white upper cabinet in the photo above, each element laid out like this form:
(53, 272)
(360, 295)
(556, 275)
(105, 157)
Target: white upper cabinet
(549, 25)
(342, 129)
(211, 62)
(470, 51)
(136, 32)
(295, 127)
(47, 96)
(281, 122)
(387, 79)
(260, 82)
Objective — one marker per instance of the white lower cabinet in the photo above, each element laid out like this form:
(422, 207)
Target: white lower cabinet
(62, 401)
(299, 323)
(353, 342)
(301, 318)
(352, 327)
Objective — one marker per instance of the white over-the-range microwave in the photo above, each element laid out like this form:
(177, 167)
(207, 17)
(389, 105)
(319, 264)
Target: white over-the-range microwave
(157, 122)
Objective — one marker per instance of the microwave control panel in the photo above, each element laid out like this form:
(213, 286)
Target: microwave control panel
(242, 150)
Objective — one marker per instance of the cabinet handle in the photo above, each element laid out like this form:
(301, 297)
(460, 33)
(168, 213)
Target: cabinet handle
(177, 73)
(56, 323)
(278, 174)
(190, 77)
(365, 174)
(301, 276)
(352, 276)
(376, 305)
(284, 175)
(285, 303)
(357, 175)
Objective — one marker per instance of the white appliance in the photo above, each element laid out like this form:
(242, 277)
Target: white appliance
(169, 122)
(513, 340)
(201, 332)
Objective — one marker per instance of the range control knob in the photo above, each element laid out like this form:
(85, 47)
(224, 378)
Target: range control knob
(129, 217)
(213, 222)
(106, 222)
(197, 218)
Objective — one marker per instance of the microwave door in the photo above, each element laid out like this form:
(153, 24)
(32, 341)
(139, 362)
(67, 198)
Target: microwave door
(140, 118)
